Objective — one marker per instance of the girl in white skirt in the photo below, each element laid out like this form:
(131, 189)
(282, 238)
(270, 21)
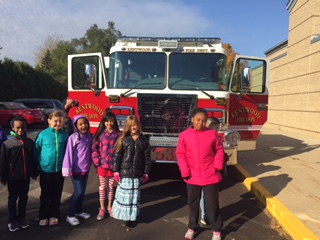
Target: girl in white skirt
(131, 166)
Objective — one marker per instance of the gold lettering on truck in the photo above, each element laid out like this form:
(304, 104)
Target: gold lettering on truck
(139, 49)
(90, 106)
(245, 110)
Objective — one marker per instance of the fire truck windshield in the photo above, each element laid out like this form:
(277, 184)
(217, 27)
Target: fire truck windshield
(187, 71)
(198, 70)
(137, 70)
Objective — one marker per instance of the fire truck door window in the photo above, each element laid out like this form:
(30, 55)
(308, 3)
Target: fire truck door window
(87, 73)
(203, 71)
(137, 70)
(249, 76)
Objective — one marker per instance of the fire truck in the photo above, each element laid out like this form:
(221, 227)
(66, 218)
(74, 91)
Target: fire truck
(162, 79)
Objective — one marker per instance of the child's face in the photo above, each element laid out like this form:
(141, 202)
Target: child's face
(56, 122)
(199, 121)
(109, 124)
(134, 128)
(82, 125)
(19, 128)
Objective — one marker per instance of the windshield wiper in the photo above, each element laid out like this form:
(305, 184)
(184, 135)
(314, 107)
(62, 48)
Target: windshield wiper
(199, 89)
(210, 96)
(135, 87)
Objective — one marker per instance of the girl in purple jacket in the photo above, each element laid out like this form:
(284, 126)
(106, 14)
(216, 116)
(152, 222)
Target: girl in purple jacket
(76, 164)
(200, 157)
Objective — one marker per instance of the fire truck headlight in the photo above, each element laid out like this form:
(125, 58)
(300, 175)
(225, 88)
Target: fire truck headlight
(232, 137)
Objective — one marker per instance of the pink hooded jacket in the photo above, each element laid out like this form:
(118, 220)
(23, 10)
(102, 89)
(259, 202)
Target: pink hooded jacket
(200, 156)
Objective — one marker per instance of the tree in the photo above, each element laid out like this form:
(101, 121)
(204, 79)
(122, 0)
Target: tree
(20, 80)
(46, 62)
(97, 40)
(230, 55)
(49, 43)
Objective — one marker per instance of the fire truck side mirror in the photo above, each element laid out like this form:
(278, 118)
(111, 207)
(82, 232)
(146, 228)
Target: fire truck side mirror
(246, 78)
(91, 78)
(90, 73)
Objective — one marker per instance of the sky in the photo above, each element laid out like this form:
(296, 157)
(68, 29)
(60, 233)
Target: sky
(250, 26)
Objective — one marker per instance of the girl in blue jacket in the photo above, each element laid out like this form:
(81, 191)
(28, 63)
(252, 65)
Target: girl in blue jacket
(76, 164)
(50, 147)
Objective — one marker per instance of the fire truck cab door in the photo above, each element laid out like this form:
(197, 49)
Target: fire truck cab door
(86, 71)
(248, 103)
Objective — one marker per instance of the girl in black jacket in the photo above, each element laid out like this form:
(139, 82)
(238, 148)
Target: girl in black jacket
(131, 166)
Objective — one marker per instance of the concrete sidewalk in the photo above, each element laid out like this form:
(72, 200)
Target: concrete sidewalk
(283, 172)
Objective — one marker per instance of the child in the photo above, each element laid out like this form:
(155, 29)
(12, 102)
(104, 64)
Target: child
(200, 158)
(131, 166)
(50, 147)
(76, 164)
(102, 153)
(214, 124)
(16, 167)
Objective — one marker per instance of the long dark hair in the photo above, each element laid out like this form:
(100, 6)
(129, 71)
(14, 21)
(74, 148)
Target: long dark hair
(106, 117)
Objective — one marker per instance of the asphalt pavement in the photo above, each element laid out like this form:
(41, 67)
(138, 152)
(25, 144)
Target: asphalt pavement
(283, 173)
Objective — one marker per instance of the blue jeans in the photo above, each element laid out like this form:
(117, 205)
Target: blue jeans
(79, 184)
(203, 208)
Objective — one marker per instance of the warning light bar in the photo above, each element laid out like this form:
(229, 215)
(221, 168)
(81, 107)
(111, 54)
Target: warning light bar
(165, 40)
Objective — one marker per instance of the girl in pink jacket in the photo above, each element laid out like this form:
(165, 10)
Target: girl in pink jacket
(200, 157)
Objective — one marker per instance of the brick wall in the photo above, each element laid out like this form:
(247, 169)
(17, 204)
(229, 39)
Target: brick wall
(294, 103)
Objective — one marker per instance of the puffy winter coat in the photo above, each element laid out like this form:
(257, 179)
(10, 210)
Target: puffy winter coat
(103, 149)
(77, 158)
(17, 160)
(134, 158)
(200, 156)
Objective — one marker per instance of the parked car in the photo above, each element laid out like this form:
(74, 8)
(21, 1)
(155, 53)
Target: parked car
(9, 110)
(43, 104)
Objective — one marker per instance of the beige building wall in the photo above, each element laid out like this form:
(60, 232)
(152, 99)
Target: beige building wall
(294, 102)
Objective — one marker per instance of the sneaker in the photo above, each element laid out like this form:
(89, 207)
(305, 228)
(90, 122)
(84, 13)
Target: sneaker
(53, 221)
(23, 223)
(101, 214)
(44, 222)
(83, 215)
(190, 234)
(73, 221)
(216, 236)
(13, 226)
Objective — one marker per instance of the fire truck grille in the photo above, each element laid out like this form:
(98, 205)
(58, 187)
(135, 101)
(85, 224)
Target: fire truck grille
(165, 113)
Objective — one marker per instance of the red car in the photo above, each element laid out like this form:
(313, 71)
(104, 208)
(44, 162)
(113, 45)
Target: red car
(9, 110)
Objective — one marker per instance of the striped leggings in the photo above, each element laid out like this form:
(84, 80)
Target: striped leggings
(103, 187)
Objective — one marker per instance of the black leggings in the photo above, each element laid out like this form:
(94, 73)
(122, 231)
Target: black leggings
(211, 198)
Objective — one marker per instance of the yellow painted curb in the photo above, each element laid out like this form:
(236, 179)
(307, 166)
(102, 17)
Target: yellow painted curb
(290, 223)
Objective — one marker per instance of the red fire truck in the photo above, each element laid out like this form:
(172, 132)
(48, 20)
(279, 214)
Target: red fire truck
(162, 79)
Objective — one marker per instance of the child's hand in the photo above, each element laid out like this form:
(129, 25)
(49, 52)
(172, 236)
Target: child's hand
(145, 178)
(117, 177)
